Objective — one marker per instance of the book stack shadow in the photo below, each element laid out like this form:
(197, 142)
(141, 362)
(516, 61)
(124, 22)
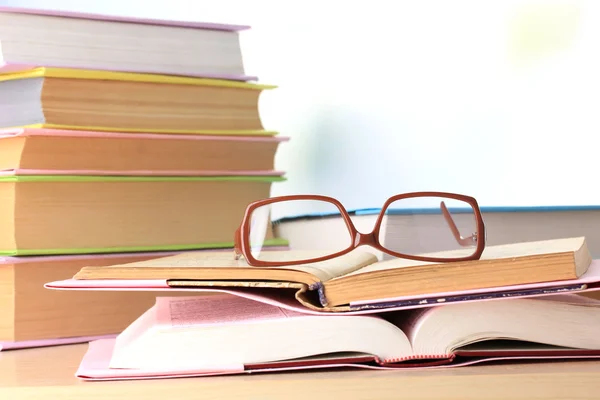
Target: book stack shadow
(121, 140)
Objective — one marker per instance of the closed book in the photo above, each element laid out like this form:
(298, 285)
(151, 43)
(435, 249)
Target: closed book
(411, 229)
(29, 151)
(56, 38)
(67, 214)
(33, 316)
(127, 102)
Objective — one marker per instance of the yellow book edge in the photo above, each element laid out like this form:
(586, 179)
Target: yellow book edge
(230, 132)
(68, 73)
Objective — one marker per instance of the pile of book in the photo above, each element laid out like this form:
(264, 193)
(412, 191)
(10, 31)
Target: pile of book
(528, 300)
(121, 140)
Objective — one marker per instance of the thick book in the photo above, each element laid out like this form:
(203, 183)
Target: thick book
(34, 316)
(127, 102)
(201, 335)
(359, 276)
(51, 38)
(28, 151)
(68, 214)
(503, 225)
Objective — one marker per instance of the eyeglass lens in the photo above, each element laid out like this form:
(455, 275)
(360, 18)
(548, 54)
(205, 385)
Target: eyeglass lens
(326, 230)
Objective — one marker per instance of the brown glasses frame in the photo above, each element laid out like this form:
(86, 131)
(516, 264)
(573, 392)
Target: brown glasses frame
(242, 234)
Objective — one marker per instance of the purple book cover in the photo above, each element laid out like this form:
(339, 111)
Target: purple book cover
(117, 18)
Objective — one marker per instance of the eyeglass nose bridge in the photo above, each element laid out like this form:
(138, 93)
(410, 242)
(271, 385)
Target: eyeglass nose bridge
(364, 239)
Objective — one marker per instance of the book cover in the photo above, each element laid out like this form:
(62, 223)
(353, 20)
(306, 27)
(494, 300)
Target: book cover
(119, 18)
(95, 365)
(28, 344)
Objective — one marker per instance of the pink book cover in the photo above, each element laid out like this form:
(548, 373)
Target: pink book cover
(8, 67)
(95, 365)
(27, 344)
(25, 132)
(172, 313)
(4, 260)
(6, 345)
(285, 298)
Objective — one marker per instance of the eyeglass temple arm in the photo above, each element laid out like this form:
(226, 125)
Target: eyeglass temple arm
(468, 241)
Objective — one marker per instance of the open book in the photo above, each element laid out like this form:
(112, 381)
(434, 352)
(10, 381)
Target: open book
(204, 334)
(359, 276)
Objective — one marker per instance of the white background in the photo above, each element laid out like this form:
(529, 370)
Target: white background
(496, 99)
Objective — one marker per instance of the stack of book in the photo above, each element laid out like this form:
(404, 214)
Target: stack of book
(527, 300)
(120, 138)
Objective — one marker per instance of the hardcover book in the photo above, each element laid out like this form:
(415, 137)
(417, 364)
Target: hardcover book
(68, 214)
(33, 316)
(29, 151)
(33, 38)
(118, 101)
(201, 336)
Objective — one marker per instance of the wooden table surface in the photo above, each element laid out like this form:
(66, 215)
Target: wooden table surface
(48, 374)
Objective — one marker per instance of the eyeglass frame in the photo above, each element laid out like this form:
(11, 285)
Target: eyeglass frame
(242, 234)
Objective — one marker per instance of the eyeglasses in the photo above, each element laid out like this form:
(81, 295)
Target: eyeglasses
(421, 226)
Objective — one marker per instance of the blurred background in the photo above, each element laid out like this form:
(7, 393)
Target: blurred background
(495, 99)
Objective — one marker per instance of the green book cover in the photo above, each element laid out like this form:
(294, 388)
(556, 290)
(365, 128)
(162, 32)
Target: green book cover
(111, 178)
(114, 178)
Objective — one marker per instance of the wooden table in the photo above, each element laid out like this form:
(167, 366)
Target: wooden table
(48, 374)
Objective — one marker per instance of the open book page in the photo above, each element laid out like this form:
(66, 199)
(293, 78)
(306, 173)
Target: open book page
(408, 320)
(224, 330)
(445, 329)
(177, 312)
(324, 270)
(505, 251)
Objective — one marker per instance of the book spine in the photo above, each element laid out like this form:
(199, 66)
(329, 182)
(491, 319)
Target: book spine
(422, 360)
(320, 289)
